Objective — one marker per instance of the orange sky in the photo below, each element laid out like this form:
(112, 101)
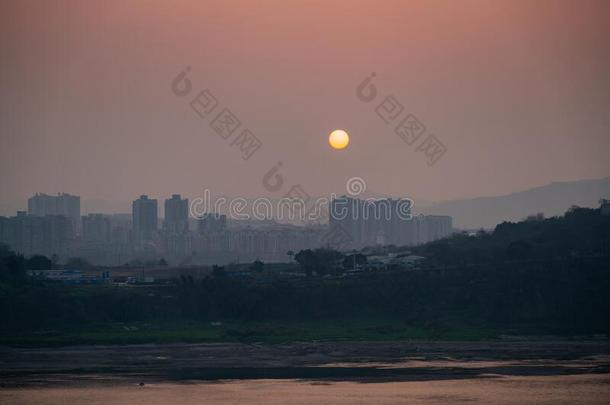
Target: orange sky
(519, 92)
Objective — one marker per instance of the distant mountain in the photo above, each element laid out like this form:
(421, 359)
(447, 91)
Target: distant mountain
(552, 199)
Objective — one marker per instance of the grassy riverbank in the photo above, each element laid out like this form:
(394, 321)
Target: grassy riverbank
(267, 332)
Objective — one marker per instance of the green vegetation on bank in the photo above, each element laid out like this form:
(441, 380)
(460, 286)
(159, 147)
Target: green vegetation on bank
(232, 331)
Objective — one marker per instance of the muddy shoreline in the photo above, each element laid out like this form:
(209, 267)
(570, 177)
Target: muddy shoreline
(322, 361)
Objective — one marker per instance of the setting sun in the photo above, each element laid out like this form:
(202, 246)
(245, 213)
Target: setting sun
(338, 139)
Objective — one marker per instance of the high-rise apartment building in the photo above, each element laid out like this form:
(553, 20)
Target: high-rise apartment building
(30, 234)
(212, 223)
(96, 228)
(176, 214)
(62, 204)
(145, 217)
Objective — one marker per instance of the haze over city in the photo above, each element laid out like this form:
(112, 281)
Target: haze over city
(304, 201)
(518, 93)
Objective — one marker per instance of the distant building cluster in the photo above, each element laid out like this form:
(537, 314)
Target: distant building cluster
(53, 226)
(67, 205)
(266, 242)
(369, 223)
(31, 234)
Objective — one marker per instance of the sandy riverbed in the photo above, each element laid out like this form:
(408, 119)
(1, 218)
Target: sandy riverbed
(514, 372)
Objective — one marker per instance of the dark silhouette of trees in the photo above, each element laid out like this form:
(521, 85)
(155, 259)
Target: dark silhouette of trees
(218, 271)
(39, 262)
(322, 261)
(354, 260)
(12, 267)
(78, 263)
(257, 266)
(581, 232)
(519, 250)
(307, 260)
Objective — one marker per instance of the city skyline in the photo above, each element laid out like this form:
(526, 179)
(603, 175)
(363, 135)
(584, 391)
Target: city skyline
(54, 227)
(551, 199)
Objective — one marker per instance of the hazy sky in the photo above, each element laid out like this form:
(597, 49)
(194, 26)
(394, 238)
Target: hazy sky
(519, 93)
